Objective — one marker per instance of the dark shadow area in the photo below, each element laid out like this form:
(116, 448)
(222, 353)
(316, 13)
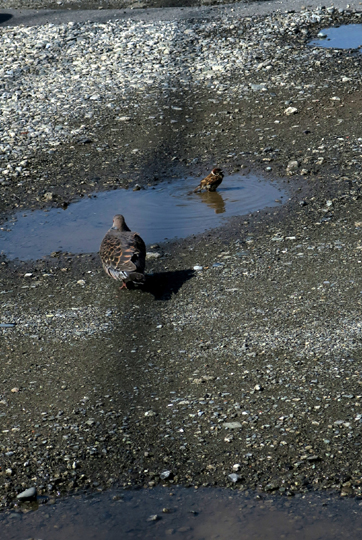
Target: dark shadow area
(4, 17)
(164, 284)
(229, 188)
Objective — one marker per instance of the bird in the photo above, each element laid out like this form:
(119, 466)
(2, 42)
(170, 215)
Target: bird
(123, 253)
(211, 182)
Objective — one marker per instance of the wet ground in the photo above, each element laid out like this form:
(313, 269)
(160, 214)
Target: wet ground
(252, 361)
(186, 513)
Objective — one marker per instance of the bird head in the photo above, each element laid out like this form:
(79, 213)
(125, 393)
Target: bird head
(217, 171)
(119, 223)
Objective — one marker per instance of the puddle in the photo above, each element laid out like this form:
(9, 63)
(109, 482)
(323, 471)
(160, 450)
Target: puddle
(348, 36)
(181, 513)
(165, 212)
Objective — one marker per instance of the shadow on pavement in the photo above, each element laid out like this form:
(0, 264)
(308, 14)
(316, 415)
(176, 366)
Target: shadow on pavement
(4, 17)
(163, 284)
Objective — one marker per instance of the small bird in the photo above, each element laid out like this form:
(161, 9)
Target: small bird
(123, 253)
(211, 182)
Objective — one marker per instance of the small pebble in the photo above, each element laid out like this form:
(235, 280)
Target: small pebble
(27, 495)
(154, 517)
(234, 477)
(165, 474)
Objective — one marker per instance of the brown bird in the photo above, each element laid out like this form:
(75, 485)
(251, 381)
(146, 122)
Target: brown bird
(123, 253)
(211, 182)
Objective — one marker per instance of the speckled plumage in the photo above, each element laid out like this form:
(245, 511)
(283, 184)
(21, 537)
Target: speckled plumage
(123, 253)
(212, 181)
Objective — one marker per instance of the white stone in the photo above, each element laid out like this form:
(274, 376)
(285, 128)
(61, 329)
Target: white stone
(152, 255)
(26, 495)
(232, 425)
(291, 110)
(233, 477)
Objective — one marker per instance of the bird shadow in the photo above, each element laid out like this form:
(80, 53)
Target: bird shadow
(4, 17)
(164, 284)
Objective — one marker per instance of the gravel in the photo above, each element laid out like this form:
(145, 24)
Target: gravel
(77, 71)
(254, 360)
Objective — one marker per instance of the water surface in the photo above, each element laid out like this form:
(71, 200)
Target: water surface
(167, 211)
(181, 513)
(347, 36)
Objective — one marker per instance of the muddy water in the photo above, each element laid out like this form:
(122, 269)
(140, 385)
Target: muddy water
(168, 211)
(348, 36)
(181, 513)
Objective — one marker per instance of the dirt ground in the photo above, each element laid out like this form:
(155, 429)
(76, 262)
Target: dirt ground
(252, 365)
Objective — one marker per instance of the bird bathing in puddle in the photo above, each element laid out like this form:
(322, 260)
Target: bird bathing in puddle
(211, 182)
(123, 253)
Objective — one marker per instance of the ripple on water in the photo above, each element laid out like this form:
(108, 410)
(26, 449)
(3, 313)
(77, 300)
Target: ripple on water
(165, 212)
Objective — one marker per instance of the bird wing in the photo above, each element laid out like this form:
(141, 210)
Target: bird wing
(111, 255)
(214, 180)
(138, 249)
(204, 182)
(122, 253)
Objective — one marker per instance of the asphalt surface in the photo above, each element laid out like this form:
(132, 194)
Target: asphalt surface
(34, 17)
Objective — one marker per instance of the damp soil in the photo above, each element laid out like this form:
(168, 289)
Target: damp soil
(184, 513)
(254, 360)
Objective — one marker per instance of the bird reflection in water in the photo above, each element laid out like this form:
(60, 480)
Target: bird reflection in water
(214, 200)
